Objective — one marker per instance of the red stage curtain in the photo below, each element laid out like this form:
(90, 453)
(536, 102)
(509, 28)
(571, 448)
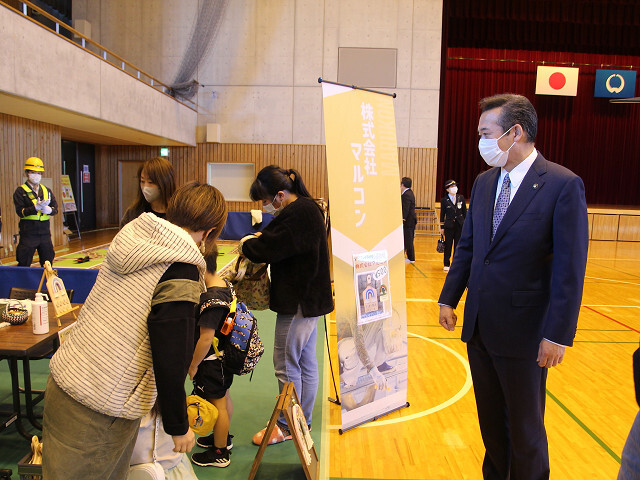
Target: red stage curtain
(594, 138)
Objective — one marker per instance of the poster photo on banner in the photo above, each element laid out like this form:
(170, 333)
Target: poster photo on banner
(368, 252)
(372, 286)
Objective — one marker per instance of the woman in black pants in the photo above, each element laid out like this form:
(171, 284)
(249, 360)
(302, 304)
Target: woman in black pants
(453, 211)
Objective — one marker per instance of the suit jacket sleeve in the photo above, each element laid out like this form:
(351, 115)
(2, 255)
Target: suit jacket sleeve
(570, 245)
(405, 206)
(457, 278)
(443, 209)
(464, 206)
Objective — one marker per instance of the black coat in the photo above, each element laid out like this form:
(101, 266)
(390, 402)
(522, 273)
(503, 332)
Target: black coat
(452, 213)
(25, 207)
(409, 218)
(295, 245)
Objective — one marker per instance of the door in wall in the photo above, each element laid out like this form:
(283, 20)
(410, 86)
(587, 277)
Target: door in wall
(78, 161)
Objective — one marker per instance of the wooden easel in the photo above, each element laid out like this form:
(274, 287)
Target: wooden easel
(289, 405)
(57, 293)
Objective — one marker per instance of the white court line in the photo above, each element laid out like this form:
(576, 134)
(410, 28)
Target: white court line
(426, 300)
(610, 306)
(431, 300)
(609, 259)
(612, 280)
(461, 393)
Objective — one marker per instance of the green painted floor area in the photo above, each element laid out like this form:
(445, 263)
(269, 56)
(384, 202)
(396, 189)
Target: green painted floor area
(71, 261)
(253, 400)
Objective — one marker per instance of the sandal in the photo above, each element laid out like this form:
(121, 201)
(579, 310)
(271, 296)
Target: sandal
(278, 435)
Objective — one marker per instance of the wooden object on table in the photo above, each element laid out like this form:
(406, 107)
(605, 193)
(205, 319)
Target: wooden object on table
(57, 292)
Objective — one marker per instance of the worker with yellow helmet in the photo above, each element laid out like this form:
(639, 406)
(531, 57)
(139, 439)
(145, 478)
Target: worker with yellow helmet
(34, 205)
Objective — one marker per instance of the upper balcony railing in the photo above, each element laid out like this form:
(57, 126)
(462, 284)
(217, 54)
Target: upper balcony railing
(48, 21)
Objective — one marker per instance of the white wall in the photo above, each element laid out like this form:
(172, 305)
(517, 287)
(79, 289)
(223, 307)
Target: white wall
(261, 73)
(73, 88)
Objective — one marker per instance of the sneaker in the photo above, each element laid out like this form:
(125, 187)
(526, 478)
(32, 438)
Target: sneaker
(207, 442)
(446, 269)
(214, 457)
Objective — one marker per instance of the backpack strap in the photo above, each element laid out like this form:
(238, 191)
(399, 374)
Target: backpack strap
(216, 302)
(213, 302)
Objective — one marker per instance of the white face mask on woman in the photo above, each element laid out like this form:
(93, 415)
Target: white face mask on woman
(453, 190)
(492, 153)
(151, 194)
(269, 208)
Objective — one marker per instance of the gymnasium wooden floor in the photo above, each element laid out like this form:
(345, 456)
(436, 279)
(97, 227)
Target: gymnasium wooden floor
(590, 401)
(590, 396)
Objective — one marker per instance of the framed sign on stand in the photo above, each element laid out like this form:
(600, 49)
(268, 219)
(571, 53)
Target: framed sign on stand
(289, 405)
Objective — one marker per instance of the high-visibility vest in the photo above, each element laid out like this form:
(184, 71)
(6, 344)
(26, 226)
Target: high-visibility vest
(39, 216)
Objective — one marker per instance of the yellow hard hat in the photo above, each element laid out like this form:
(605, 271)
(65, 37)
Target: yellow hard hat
(34, 164)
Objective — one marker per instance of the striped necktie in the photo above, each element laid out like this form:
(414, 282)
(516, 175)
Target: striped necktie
(502, 204)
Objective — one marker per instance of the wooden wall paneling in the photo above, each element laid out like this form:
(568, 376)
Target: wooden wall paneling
(309, 160)
(420, 165)
(590, 220)
(629, 228)
(605, 227)
(21, 138)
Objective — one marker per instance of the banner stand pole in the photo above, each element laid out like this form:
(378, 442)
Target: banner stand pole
(355, 87)
(333, 378)
(342, 430)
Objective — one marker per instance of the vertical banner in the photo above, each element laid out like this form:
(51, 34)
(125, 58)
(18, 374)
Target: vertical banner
(368, 252)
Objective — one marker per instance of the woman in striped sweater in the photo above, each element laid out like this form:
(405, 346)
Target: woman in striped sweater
(133, 342)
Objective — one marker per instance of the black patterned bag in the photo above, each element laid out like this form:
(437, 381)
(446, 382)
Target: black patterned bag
(244, 347)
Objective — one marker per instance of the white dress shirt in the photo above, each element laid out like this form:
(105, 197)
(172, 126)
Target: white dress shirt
(516, 175)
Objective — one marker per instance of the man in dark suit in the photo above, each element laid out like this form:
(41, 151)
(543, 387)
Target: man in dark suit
(409, 219)
(522, 256)
(453, 211)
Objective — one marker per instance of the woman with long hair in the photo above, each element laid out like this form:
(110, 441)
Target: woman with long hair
(157, 181)
(294, 244)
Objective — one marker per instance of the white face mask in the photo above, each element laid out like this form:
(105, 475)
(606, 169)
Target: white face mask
(34, 178)
(269, 208)
(151, 194)
(492, 153)
(453, 190)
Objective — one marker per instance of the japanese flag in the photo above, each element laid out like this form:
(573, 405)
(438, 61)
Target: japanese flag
(557, 81)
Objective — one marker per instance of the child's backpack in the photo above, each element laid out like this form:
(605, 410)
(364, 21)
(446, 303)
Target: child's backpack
(244, 347)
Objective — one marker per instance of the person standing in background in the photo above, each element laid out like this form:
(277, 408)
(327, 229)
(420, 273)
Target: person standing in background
(157, 180)
(409, 219)
(453, 211)
(34, 205)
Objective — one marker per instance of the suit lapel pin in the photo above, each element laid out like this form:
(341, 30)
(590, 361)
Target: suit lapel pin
(535, 185)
